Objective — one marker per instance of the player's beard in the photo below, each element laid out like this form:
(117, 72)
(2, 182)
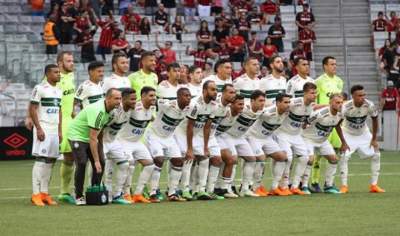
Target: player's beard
(67, 70)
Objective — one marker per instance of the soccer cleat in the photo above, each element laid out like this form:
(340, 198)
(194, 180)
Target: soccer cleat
(37, 200)
(278, 192)
(234, 190)
(154, 199)
(48, 200)
(261, 191)
(248, 193)
(128, 197)
(315, 188)
(176, 198)
(215, 196)
(203, 196)
(139, 198)
(66, 198)
(297, 191)
(187, 195)
(80, 201)
(331, 190)
(159, 195)
(305, 190)
(120, 200)
(376, 189)
(344, 189)
(286, 191)
(228, 194)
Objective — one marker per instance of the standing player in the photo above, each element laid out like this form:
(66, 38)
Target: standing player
(145, 76)
(327, 84)
(274, 83)
(44, 109)
(321, 124)
(167, 89)
(223, 72)
(162, 145)
(90, 91)
(358, 138)
(118, 79)
(262, 139)
(130, 136)
(290, 139)
(196, 77)
(296, 83)
(248, 82)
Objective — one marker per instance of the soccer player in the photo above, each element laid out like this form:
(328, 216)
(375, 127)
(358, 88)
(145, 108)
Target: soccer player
(327, 84)
(114, 151)
(296, 83)
(146, 76)
(223, 72)
(90, 91)
(274, 83)
(161, 143)
(321, 124)
(118, 79)
(130, 136)
(193, 145)
(248, 82)
(358, 138)
(44, 109)
(167, 89)
(262, 139)
(290, 139)
(196, 77)
(83, 136)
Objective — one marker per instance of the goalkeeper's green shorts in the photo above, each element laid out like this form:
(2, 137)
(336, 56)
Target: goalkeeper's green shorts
(64, 146)
(334, 139)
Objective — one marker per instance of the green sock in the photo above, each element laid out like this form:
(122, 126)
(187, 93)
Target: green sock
(316, 171)
(66, 171)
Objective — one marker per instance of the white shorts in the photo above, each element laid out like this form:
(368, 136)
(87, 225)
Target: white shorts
(198, 144)
(49, 147)
(136, 150)
(213, 147)
(266, 146)
(237, 146)
(292, 144)
(324, 149)
(161, 146)
(360, 144)
(115, 151)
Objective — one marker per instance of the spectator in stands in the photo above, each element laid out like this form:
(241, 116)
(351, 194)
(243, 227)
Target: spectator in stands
(222, 51)
(200, 55)
(255, 47)
(307, 37)
(132, 26)
(178, 28)
(204, 8)
(393, 23)
(220, 32)
(119, 43)
(255, 18)
(82, 22)
(236, 44)
(106, 36)
(390, 98)
(134, 55)
(126, 18)
(123, 6)
(216, 7)
(298, 51)
(170, 7)
(383, 49)
(276, 32)
(204, 35)
(51, 35)
(66, 23)
(161, 19)
(268, 50)
(269, 9)
(305, 18)
(243, 26)
(150, 7)
(380, 24)
(388, 59)
(107, 7)
(37, 7)
(169, 55)
(85, 41)
(190, 9)
(145, 26)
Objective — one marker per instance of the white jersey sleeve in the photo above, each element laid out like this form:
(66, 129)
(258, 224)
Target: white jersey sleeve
(272, 87)
(299, 114)
(88, 93)
(246, 86)
(166, 90)
(269, 121)
(244, 121)
(322, 122)
(355, 118)
(115, 81)
(295, 85)
(119, 118)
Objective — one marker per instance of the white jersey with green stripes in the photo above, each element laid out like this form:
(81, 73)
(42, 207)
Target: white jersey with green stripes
(298, 116)
(269, 121)
(355, 118)
(89, 92)
(119, 118)
(219, 82)
(295, 85)
(246, 86)
(195, 89)
(321, 125)
(166, 90)
(272, 87)
(243, 122)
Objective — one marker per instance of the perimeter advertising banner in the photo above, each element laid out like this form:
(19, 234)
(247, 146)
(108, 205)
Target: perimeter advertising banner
(15, 143)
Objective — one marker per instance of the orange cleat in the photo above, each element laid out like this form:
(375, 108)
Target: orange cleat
(376, 189)
(139, 198)
(37, 200)
(128, 198)
(344, 189)
(278, 192)
(261, 191)
(297, 191)
(286, 191)
(48, 200)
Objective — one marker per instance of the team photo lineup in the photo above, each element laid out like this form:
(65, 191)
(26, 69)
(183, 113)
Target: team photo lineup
(204, 132)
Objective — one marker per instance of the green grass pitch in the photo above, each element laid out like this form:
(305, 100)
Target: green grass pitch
(356, 213)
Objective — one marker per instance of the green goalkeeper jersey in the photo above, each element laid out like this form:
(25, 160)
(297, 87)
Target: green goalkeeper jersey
(139, 79)
(326, 86)
(67, 86)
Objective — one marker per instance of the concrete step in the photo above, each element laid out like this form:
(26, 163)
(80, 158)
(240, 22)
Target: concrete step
(329, 41)
(356, 41)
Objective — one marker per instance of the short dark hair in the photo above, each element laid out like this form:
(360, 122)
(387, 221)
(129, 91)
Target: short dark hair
(173, 65)
(326, 59)
(272, 59)
(256, 94)
(308, 86)
(297, 60)
(334, 95)
(380, 13)
(193, 68)
(48, 68)
(127, 92)
(356, 87)
(94, 65)
(146, 89)
(345, 96)
(110, 91)
(205, 85)
(238, 97)
(249, 59)
(181, 91)
(147, 54)
(220, 63)
(226, 86)
(281, 96)
(139, 41)
(116, 56)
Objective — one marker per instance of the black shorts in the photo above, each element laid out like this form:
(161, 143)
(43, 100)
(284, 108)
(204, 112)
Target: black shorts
(51, 49)
(216, 10)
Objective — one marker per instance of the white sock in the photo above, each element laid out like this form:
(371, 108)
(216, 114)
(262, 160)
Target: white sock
(219, 181)
(344, 169)
(248, 172)
(36, 176)
(299, 170)
(121, 176)
(173, 180)
(144, 178)
(306, 175)
(193, 178)
(330, 174)
(212, 178)
(108, 173)
(202, 174)
(258, 174)
(128, 180)
(155, 180)
(284, 183)
(233, 175)
(185, 179)
(45, 177)
(277, 172)
(375, 168)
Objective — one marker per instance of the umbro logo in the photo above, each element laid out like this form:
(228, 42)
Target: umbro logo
(15, 140)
